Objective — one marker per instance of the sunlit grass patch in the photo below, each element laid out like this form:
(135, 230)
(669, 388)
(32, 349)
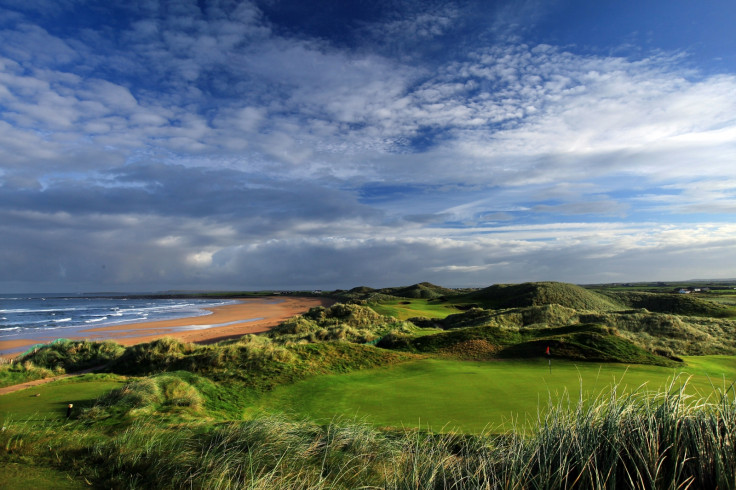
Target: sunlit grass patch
(470, 396)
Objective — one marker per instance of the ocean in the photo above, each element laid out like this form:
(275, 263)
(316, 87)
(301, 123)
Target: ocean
(45, 317)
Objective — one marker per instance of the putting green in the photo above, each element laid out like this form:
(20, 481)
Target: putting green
(473, 396)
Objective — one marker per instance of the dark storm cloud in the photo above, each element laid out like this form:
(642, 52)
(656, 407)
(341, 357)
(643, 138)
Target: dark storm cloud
(178, 191)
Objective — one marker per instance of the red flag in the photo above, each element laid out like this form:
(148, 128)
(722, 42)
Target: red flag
(547, 352)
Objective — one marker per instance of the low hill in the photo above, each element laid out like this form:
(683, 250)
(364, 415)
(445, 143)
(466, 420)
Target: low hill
(584, 342)
(354, 294)
(549, 315)
(501, 296)
(253, 362)
(672, 303)
(671, 335)
(424, 290)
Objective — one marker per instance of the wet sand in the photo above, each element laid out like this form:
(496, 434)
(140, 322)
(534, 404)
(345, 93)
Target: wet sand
(250, 315)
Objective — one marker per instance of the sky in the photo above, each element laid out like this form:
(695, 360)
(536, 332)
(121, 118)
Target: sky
(152, 145)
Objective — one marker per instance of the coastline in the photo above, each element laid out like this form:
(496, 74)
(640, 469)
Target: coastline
(248, 316)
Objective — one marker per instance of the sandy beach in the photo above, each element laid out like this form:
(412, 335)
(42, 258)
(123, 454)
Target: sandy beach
(249, 315)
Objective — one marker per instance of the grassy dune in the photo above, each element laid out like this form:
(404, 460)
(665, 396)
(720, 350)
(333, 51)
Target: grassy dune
(539, 293)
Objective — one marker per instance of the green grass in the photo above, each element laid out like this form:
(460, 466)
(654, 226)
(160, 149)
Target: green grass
(26, 475)
(51, 404)
(471, 396)
(405, 308)
(714, 366)
(501, 296)
(21, 372)
(664, 440)
(74, 355)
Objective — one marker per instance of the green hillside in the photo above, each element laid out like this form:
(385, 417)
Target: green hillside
(583, 342)
(673, 303)
(423, 290)
(501, 296)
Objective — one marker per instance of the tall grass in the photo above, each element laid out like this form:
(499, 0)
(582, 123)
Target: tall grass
(665, 440)
(74, 355)
(162, 393)
(20, 372)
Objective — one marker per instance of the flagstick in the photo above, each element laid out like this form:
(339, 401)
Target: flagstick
(549, 359)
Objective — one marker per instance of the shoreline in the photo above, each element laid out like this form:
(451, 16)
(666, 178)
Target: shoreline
(248, 316)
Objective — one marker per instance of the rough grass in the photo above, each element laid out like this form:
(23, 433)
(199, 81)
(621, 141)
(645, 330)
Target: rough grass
(659, 333)
(163, 394)
(672, 303)
(630, 440)
(351, 322)
(671, 334)
(74, 355)
(254, 362)
(20, 372)
(546, 315)
(584, 342)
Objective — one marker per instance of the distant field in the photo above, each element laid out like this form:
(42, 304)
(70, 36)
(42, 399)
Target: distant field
(473, 396)
(405, 308)
(723, 297)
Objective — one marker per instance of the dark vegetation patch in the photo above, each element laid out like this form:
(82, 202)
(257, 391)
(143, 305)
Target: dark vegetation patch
(472, 350)
(424, 290)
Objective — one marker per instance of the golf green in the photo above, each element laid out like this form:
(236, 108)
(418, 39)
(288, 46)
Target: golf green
(448, 395)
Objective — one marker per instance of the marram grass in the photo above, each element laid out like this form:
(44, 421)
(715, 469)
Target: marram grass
(667, 440)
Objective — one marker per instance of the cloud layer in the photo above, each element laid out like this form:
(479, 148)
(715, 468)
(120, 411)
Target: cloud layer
(164, 145)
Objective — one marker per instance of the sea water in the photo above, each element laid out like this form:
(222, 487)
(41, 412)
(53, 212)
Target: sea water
(45, 317)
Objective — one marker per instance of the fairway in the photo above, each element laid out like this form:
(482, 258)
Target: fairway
(447, 395)
(403, 308)
(53, 398)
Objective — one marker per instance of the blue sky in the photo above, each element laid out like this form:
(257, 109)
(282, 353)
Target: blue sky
(150, 145)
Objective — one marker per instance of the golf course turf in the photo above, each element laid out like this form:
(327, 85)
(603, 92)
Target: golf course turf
(49, 402)
(466, 396)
